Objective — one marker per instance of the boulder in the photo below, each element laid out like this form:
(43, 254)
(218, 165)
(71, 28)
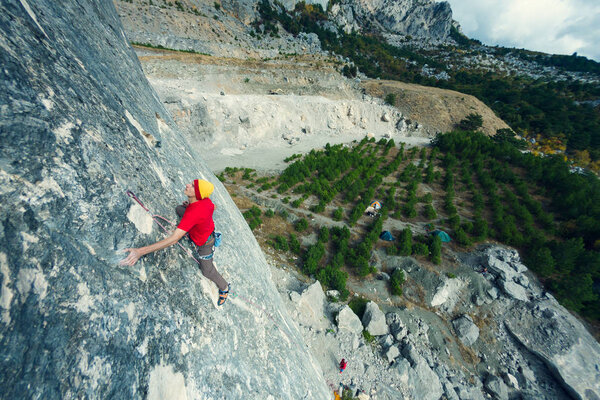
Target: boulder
(502, 257)
(348, 321)
(449, 392)
(511, 381)
(496, 387)
(382, 276)
(493, 293)
(311, 306)
(447, 292)
(466, 392)
(411, 354)
(391, 353)
(374, 320)
(501, 269)
(396, 326)
(386, 341)
(385, 117)
(421, 381)
(466, 330)
(514, 290)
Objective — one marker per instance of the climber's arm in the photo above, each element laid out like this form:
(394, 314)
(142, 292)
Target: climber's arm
(136, 253)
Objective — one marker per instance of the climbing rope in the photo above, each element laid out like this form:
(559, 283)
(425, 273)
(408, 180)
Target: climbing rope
(155, 218)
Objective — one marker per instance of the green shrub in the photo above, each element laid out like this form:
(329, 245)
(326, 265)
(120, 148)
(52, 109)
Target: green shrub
(269, 213)
(349, 71)
(472, 122)
(294, 244)
(430, 212)
(296, 203)
(541, 261)
(420, 249)
(252, 216)
(338, 214)
(301, 225)
(462, 238)
(405, 248)
(279, 243)
(284, 214)
(368, 337)
(358, 305)
(397, 281)
(390, 99)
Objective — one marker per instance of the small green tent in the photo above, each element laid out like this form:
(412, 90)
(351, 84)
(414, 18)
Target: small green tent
(442, 235)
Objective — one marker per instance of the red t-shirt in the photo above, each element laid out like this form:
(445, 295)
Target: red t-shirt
(197, 220)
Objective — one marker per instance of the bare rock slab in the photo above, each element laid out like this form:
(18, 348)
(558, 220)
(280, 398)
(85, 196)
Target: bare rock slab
(549, 331)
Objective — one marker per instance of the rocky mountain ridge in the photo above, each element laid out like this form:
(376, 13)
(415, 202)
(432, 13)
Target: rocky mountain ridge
(422, 26)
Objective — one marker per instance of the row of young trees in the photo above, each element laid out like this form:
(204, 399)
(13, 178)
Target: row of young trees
(562, 246)
(499, 185)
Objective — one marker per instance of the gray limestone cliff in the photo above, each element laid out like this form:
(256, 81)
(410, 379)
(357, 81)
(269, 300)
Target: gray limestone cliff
(79, 125)
(421, 19)
(225, 31)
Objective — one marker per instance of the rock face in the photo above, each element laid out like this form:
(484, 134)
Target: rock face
(562, 342)
(80, 125)
(423, 19)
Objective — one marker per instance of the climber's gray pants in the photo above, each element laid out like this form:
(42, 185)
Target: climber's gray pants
(206, 266)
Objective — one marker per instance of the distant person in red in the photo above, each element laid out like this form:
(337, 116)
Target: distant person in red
(197, 220)
(343, 365)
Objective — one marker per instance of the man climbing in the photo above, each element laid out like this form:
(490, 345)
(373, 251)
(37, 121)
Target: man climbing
(343, 365)
(197, 220)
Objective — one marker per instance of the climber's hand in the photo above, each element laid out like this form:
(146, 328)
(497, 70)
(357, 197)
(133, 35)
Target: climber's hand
(132, 258)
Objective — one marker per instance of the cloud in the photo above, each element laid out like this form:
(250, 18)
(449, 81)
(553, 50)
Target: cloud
(551, 26)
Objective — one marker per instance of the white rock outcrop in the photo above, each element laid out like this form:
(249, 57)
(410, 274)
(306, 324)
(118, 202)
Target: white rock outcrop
(374, 320)
(347, 320)
(310, 305)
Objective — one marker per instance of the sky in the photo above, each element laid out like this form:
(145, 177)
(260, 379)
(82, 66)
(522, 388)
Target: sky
(550, 26)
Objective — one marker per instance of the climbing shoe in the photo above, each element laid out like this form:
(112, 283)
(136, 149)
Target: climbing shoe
(223, 295)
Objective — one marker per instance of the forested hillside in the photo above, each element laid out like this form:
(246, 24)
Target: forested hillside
(474, 187)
